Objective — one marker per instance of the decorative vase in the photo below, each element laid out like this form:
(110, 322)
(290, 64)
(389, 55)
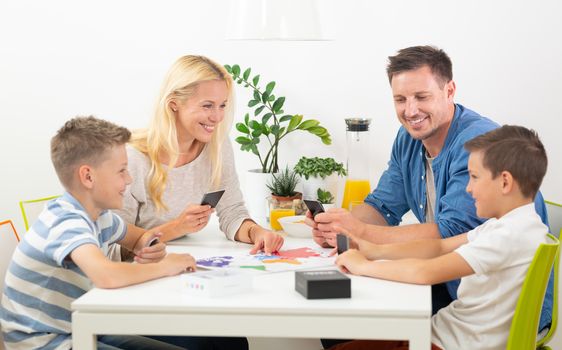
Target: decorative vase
(311, 186)
(256, 193)
(328, 206)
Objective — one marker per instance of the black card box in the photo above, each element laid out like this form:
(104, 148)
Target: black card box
(322, 284)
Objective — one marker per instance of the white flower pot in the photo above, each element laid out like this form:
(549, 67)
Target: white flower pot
(329, 206)
(256, 193)
(310, 187)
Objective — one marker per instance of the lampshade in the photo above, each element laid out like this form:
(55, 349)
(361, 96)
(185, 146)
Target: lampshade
(274, 20)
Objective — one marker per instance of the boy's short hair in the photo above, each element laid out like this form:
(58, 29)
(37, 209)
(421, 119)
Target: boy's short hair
(515, 149)
(84, 140)
(415, 57)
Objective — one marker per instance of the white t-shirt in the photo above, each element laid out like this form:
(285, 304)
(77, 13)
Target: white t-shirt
(500, 252)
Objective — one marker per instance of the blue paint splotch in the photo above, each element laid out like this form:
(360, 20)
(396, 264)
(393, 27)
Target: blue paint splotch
(215, 261)
(262, 257)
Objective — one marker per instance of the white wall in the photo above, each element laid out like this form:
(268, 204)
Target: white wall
(59, 59)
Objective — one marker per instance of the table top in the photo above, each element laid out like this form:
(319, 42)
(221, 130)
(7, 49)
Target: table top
(272, 293)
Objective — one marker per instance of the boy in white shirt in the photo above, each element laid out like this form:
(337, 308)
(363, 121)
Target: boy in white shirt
(506, 167)
(65, 251)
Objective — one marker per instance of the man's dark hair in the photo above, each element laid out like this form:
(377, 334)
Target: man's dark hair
(415, 57)
(515, 149)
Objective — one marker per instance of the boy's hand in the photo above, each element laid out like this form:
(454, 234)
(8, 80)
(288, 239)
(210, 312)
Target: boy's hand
(266, 241)
(149, 249)
(175, 264)
(351, 261)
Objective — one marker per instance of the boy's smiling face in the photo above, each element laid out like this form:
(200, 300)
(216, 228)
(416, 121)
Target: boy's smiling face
(111, 179)
(485, 190)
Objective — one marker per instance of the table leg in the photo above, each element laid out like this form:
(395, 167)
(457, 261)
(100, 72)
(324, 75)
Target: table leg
(82, 337)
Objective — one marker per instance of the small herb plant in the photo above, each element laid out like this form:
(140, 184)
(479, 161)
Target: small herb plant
(319, 167)
(284, 183)
(325, 197)
(269, 121)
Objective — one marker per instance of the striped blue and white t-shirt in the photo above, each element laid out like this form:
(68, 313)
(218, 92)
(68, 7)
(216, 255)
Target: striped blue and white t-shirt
(41, 281)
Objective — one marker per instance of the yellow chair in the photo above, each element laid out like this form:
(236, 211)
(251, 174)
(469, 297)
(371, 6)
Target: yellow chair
(31, 209)
(523, 331)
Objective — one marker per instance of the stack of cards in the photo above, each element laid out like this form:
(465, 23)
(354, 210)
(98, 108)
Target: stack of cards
(216, 283)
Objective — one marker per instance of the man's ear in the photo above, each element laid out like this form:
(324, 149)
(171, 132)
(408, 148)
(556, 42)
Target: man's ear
(451, 88)
(85, 174)
(507, 182)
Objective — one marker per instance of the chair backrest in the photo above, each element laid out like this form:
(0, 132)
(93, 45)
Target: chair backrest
(8, 241)
(554, 212)
(31, 209)
(525, 323)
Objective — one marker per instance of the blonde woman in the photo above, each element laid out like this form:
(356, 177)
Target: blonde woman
(184, 153)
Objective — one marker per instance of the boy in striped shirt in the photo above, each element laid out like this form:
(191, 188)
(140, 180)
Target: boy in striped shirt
(65, 252)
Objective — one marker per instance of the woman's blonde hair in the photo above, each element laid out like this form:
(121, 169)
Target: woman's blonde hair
(160, 138)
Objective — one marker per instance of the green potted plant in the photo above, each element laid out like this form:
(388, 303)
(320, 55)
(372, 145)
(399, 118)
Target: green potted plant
(284, 200)
(269, 122)
(326, 198)
(261, 132)
(319, 173)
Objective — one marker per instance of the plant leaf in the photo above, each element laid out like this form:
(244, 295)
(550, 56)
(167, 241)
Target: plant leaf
(275, 130)
(254, 149)
(265, 97)
(255, 125)
(246, 118)
(243, 140)
(252, 103)
(265, 130)
(308, 124)
(278, 104)
(236, 70)
(228, 68)
(285, 118)
(318, 130)
(256, 133)
(246, 74)
(295, 120)
(265, 118)
(270, 87)
(326, 140)
(258, 110)
(242, 128)
(257, 95)
(256, 80)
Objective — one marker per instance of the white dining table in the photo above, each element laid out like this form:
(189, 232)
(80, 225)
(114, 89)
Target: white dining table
(377, 309)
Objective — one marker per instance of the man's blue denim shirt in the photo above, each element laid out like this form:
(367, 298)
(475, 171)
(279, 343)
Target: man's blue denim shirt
(402, 186)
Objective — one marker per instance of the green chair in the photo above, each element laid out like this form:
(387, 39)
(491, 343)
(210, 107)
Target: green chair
(525, 323)
(554, 211)
(31, 209)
